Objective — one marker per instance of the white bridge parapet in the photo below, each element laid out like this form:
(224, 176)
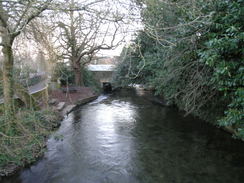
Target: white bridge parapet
(101, 68)
(102, 73)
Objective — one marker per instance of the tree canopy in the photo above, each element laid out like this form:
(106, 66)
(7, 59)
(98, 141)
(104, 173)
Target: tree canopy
(191, 52)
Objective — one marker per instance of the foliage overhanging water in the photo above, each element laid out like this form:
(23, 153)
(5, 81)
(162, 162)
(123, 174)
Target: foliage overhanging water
(125, 138)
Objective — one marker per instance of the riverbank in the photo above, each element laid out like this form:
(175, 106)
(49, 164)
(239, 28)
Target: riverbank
(33, 128)
(229, 129)
(65, 102)
(124, 137)
(24, 142)
(161, 101)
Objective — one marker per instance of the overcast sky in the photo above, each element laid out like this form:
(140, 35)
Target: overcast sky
(132, 17)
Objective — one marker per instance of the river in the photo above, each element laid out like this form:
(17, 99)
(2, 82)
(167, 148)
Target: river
(125, 138)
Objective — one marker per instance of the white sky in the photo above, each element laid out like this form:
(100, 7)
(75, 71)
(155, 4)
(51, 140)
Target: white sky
(128, 29)
(132, 17)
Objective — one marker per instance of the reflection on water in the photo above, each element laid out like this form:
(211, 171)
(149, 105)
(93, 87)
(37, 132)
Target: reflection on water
(125, 138)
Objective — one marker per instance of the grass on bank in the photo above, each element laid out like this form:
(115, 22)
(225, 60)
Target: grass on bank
(22, 140)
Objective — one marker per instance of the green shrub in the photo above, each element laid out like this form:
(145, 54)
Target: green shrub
(64, 73)
(1, 89)
(197, 65)
(224, 52)
(89, 80)
(23, 139)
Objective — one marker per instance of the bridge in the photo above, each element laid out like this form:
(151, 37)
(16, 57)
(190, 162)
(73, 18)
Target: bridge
(33, 90)
(102, 73)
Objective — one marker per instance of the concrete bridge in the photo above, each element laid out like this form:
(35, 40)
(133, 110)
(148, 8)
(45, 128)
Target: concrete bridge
(102, 73)
(38, 90)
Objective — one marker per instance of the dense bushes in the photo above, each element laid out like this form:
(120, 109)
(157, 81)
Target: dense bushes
(90, 81)
(192, 54)
(65, 74)
(224, 52)
(22, 140)
(1, 89)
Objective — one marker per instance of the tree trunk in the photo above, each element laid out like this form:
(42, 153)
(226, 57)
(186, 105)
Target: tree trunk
(8, 66)
(78, 77)
(78, 72)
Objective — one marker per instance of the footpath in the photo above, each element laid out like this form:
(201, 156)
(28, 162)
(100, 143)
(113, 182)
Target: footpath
(65, 102)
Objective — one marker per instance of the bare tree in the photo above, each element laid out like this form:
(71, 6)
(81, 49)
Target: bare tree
(41, 31)
(14, 16)
(83, 33)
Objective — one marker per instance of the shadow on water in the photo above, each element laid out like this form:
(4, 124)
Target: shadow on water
(125, 138)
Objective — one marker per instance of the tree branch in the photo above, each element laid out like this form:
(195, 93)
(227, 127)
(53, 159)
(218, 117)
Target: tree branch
(20, 25)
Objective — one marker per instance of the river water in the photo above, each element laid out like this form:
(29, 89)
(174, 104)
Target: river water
(125, 138)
